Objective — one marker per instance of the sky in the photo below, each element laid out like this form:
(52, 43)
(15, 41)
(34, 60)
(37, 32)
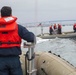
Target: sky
(29, 11)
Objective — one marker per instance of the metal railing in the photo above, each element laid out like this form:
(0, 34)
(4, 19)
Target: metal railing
(30, 59)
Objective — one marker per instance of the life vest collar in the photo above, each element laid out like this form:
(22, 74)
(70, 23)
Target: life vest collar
(7, 20)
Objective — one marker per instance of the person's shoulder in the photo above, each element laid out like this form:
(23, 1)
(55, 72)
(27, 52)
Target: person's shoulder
(20, 26)
(21, 29)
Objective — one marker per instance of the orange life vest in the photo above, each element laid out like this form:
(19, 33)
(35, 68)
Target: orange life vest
(59, 26)
(75, 25)
(9, 32)
(55, 27)
(50, 27)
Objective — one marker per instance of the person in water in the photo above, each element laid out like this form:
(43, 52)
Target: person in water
(11, 35)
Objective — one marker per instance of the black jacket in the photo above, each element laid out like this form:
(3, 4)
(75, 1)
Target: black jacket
(24, 34)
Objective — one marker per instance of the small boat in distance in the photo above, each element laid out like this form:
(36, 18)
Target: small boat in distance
(63, 35)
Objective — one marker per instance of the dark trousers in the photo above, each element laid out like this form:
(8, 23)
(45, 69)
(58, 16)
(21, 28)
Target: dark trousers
(10, 65)
(74, 30)
(50, 31)
(59, 31)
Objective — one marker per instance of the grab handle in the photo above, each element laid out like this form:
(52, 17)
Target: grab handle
(30, 56)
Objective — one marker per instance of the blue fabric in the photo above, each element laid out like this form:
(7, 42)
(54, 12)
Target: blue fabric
(10, 66)
(25, 34)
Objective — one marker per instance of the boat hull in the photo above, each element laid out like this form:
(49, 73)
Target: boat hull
(50, 64)
(63, 35)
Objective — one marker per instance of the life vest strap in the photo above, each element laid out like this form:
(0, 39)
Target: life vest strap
(9, 42)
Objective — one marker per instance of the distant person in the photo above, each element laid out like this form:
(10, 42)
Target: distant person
(59, 29)
(50, 30)
(55, 26)
(74, 27)
(55, 29)
(11, 34)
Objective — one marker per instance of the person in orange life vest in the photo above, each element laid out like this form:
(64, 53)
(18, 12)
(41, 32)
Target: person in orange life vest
(74, 27)
(59, 29)
(50, 30)
(55, 27)
(11, 35)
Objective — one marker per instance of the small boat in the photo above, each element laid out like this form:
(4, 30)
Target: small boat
(63, 35)
(47, 63)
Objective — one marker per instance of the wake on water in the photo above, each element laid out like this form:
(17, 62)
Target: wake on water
(66, 48)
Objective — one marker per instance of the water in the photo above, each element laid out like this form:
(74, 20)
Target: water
(66, 48)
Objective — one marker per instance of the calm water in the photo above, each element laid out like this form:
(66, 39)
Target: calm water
(66, 48)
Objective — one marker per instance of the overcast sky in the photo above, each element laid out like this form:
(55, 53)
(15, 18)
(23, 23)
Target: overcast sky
(41, 10)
